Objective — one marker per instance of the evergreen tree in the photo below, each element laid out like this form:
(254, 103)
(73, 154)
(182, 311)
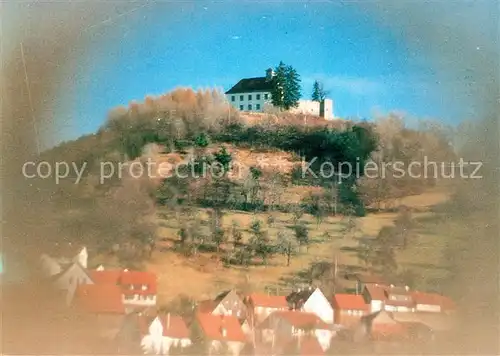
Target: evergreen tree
(286, 89)
(292, 89)
(279, 83)
(318, 94)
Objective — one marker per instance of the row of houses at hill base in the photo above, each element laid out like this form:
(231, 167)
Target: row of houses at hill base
(122, 305)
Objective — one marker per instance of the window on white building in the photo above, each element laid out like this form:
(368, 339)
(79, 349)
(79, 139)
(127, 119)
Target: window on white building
(266, 96)
(233, 98)
(241, 97)
(257, 106)
(241, 107)
(249, 106)
(249, 97)
(257, 96)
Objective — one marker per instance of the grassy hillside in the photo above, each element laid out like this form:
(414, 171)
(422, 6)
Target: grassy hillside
(261, 224)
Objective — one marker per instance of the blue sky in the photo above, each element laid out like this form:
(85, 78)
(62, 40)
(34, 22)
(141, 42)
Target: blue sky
(367, 67)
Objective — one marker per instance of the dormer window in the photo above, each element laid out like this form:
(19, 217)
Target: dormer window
(144, 287)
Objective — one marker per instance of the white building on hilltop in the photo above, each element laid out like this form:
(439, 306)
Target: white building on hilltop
(254, 95)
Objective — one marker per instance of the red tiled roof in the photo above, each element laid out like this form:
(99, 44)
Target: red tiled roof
(349, 302)
(174, 327)
(268, 301)
(125, 279)
(138, 278)
(213, 325)
(301, 319)
(433, 299)
(100, 299)
(106, 277)
(400, 303)
(376, 292)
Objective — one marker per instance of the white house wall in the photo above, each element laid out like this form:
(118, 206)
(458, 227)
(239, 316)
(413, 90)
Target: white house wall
(238, 102)
(319, 305)
(310, 107)
(428, 308)
(376, 305)
(139, 300)
(328, 109)
(307, 107)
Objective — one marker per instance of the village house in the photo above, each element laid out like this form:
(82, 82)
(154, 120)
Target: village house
(349, 308)
(164, 333)
(221, 333)
(389, 298)
(254, 95)
(283, 326)
(399, 299)
(312, 300)
(102, 305)
(229, 303)
(138, 288)
(261, 305)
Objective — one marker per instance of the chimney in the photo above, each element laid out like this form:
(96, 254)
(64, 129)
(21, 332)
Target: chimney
(407, 288)
(224, 332)
(269, 74)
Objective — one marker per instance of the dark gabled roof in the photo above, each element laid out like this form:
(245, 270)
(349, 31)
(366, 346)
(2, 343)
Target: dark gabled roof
(224, 294)
(249, 85)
